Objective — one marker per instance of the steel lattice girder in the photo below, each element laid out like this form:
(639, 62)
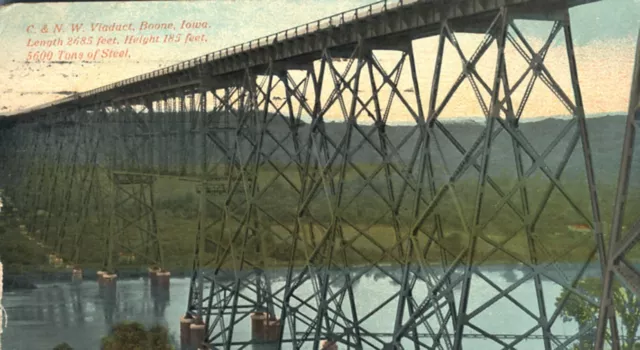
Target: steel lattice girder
(313, 295)
(132, 192)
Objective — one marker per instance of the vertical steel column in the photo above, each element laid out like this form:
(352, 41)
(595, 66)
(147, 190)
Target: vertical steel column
(289, 312)
(619, 245)
(202, 208)
(586, 150)
(39, 177)
(69, 185)
(52, 198)
(501, 34)
(23, 197)
(150, 149)
(428, 134)
(181, 129)
(115, 119)
(194, 313)
(89, 181)
(199, 263)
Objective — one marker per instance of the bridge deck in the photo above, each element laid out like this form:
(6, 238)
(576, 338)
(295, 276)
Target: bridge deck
(410, 19)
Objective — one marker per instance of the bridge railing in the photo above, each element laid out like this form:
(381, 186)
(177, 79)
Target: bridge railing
(333, 20)
(323, 23)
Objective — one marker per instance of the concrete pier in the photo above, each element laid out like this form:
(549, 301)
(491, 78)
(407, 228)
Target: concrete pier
(328, 345)
(197, 334)
(272, 330)
(185, 331)
(106, 278)
(264, 328)
(152, 275)
(109, 278)
(258, 320)
(163, 279)
(76, 274)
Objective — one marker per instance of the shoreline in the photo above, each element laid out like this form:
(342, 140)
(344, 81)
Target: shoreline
(36, 278)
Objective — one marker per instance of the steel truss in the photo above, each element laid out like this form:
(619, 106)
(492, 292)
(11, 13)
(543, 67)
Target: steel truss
(153, 137)
(227, 178)
(53, 182)
(317, 300)
(618, 265)
(133, 232)
(64, 179)
(364, 196)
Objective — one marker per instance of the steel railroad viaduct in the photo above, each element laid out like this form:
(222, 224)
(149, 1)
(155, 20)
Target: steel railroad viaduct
(294, 215)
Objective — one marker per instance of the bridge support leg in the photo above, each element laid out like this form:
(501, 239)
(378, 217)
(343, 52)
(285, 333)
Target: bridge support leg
(502, 116)
(133, 228)
(222, 293)
(519, 242)
(336, 171)
(620, 243)
(366, 196)
(87, 201)
(61, 209)
(195, 302)
(41, 193)
(43, 218)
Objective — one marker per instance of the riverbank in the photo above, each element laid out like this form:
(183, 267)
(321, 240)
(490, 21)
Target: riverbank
(32, 260)
(361, 240)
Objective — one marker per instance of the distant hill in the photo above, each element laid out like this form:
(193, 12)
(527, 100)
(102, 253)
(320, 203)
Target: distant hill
(605, 133)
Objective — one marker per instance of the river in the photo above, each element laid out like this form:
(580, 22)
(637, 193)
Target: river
(80, 313)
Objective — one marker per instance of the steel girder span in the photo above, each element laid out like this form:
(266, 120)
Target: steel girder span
(297, 217)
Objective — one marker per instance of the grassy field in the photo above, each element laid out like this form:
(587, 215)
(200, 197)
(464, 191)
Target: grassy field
(364, 229)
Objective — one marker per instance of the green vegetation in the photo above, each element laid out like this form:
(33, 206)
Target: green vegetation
(18, 254)
(585, 312)
(275, 219)
(132, 336)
